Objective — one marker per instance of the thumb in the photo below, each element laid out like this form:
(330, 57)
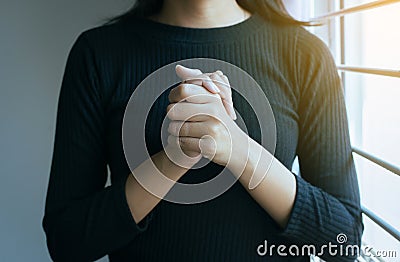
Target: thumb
(185, 73)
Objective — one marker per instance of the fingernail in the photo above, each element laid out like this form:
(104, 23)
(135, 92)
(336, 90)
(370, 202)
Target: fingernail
(234, 114)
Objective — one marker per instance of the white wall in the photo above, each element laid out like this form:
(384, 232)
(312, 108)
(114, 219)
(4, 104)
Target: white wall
(35, 38)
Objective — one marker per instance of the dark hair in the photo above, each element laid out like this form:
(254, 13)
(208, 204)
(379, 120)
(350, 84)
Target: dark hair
(270, 10)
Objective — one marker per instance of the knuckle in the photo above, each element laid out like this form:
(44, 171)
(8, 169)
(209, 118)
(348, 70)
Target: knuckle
(206, 78)
(225, 80)
(214, 129)
(213, 76)
(184, 142)
(207, 147)
(172, 140)
(183, 131)
(181, 143)
(172, 111)
(172, 128)
(182, 91)
(169, 108)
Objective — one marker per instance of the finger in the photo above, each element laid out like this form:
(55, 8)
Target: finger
(205, 81)
(185, 73)
(208, 147)
(189, 146)
(225, 78)
(191, 93)
(226, 92)
(189, 112)
(210, 85)
(188, 129)
(194, 81)
(219, 72)
(189, 74)
(229, 109)
(223, 85)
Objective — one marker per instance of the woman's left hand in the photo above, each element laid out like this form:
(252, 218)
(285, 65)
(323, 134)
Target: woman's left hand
(200, 123)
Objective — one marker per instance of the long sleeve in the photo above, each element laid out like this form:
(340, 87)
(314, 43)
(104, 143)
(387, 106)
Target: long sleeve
(83, 220)
(327, 202)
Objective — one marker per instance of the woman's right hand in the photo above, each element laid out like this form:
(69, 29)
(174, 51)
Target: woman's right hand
(215, 83)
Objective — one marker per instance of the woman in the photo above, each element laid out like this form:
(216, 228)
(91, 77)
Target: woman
(85, 221)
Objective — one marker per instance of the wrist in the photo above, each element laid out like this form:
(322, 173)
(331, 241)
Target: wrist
(167, 167)
(250, 159)
(241, 145)
(257, 166)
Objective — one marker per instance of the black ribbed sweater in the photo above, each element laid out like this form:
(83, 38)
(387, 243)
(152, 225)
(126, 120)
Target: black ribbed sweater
(85, 221)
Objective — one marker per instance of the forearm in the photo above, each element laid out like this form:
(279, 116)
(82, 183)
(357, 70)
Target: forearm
(141, 201)
(297, 206)
(90, 227)
(277, 190)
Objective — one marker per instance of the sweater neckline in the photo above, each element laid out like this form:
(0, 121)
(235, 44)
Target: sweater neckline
(186, 34)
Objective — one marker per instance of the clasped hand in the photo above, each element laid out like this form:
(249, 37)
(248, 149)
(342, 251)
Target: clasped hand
(202, 117)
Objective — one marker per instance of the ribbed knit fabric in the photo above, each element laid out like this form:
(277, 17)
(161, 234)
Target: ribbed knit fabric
(85, 221)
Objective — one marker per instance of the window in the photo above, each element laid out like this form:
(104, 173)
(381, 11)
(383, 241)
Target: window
(364, 39)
